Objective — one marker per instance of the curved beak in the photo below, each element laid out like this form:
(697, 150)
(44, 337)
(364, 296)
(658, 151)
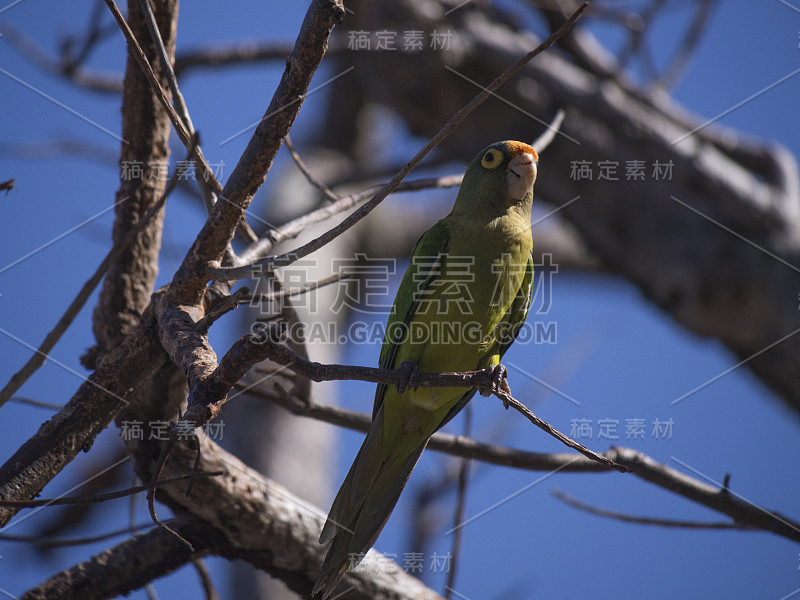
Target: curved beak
(521, 174)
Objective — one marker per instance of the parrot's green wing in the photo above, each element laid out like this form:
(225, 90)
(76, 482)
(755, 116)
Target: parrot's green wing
(514, 319)
(359, 512)
(507, 331)
(426, 263)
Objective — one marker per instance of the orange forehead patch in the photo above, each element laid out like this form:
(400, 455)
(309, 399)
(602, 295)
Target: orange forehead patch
(521, 148)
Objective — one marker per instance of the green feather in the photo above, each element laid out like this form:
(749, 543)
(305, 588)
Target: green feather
(426, 261)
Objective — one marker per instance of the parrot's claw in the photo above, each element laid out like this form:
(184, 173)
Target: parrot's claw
(498, 383)
(410, 374)
(507, 389)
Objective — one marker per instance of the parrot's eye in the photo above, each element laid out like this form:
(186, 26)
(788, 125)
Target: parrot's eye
(492, 159)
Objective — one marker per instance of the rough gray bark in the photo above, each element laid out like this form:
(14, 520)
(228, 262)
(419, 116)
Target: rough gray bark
(246, 517)
(259, 521)
(145, 129)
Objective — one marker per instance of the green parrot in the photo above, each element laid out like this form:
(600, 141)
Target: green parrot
(460, 306)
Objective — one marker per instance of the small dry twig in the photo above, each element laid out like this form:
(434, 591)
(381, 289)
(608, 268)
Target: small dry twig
(218, 56)
(7, 185)
(564, 439)
(645, 520)
(104, 497)
(312, 179)
(292, 229)
(222, 307)
(205, 579)
(541, 143)
(290, 292)
(151, 489)
(461, 508)
(36, 403)
(44, 542)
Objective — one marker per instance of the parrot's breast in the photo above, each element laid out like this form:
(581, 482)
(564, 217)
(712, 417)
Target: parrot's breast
(453, 327)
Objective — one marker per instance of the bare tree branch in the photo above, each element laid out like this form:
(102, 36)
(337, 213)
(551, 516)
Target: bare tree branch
(286, 550)
(251, 170)
(65, 66)
(145, 134)
(44, 541)
(244, 52)
(125, 567)
(205, 579)
(99, 497)
(324, 189)
(460, 508)
(676, 523)
(102, 395)
(7, 186)
(685, 51)
(293, 228)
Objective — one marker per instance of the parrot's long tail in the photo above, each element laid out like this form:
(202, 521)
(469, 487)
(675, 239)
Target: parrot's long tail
(362, 506)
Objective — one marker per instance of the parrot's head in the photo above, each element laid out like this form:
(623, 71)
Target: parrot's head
(500, 177)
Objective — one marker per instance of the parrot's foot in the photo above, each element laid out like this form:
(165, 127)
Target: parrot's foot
(410, 374)
(498, 383)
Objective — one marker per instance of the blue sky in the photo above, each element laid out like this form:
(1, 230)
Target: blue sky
(634, 360)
